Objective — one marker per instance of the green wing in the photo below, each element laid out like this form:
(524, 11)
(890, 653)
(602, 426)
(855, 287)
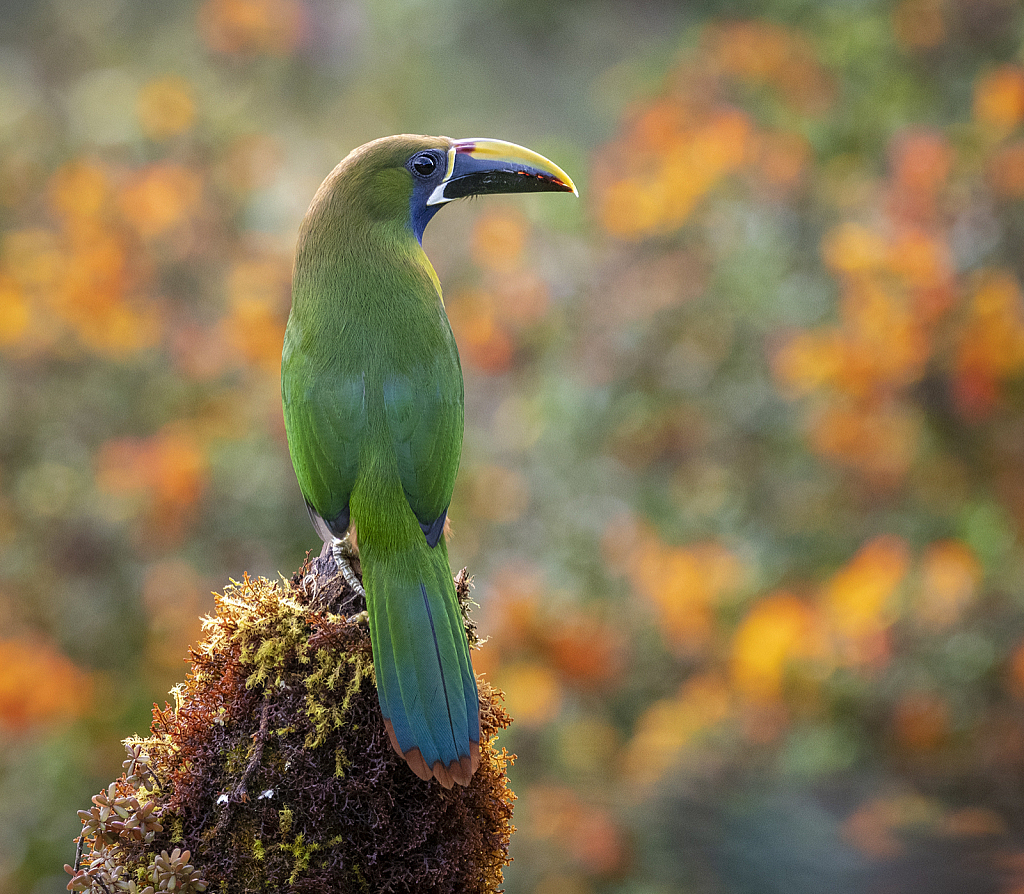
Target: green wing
(325, 420)
(424, 413)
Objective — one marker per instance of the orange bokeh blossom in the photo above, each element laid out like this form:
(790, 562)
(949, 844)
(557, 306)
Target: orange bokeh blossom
(38, 685)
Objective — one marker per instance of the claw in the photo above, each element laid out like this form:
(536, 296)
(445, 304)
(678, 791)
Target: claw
(343, 553)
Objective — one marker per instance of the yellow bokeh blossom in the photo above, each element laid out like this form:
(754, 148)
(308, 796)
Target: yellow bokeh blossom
(778, 633)
(859, 601)
(166, 107)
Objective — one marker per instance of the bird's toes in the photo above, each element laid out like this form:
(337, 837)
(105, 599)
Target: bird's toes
(344, 554)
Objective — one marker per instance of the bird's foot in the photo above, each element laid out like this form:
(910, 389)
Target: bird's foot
(343, 553)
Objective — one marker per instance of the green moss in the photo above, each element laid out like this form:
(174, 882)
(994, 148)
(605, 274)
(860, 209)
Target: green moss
(236, 759)
(341, 763)
(276, 772)
(285, 821)
(333, 672)
(360, 879)
(301, 852)
(270, 642)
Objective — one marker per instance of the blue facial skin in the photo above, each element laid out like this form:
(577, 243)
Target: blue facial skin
(424, 184)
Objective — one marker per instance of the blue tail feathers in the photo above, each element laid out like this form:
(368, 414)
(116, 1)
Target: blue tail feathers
(425, 678)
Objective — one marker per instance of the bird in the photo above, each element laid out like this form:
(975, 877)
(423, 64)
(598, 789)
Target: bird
(373, 400)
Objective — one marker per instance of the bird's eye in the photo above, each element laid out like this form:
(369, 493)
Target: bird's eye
(424, 164)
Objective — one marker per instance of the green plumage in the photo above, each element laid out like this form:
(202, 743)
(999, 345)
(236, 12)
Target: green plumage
(373, 408)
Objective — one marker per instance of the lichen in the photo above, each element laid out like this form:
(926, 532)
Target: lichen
(273, 770)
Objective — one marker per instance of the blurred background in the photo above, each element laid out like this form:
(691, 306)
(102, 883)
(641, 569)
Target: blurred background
(742, 481)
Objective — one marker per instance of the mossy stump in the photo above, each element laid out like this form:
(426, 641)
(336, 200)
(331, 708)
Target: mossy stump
(273, 770)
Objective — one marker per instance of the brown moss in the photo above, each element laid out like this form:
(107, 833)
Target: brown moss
(273, 770)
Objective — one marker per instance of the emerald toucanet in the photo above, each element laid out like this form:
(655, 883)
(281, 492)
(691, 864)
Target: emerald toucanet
(373, 407)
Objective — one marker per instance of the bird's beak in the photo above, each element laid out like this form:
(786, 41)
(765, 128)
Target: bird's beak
(486, 167)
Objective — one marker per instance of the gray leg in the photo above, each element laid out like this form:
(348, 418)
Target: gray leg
(343, 554)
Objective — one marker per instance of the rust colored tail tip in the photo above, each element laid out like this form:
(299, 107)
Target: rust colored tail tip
(460, 771)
